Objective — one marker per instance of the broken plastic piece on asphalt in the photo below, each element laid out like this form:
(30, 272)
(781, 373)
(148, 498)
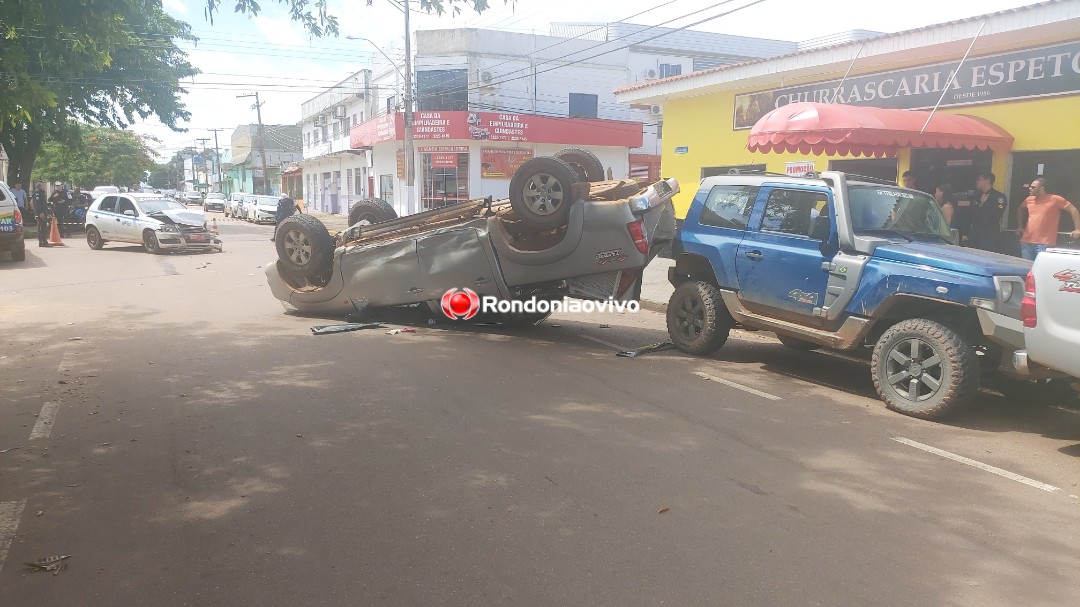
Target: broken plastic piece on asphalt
(352, 326)
(662, 510)
(396, 331)
(659, 346)
(75, 339)
(50, 563)
(605, 326)
(555, 326)
(11, 448)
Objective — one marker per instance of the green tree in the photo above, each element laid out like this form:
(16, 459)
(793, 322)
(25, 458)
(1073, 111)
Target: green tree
(99, 156)
(318, 21)
(101, 63)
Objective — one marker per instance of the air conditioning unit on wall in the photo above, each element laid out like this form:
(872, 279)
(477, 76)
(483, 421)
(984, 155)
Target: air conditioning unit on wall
(655, 110)
(339, 112)
(320, 120)
(650, 74)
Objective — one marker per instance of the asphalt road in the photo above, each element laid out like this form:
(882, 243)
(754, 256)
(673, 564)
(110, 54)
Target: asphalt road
(166, 424)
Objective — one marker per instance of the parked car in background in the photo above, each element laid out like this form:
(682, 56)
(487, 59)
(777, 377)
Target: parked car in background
(11, 225)
(155, 222)
(259, 209)
(193, 197)
(214, 201)
(232, 202)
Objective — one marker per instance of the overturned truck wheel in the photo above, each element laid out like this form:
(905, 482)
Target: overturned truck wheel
(371, 211)
(540, 192)
(304, 246)
(587, 166)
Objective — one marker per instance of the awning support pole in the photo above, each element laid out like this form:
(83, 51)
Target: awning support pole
(850, 65)
(952, 76)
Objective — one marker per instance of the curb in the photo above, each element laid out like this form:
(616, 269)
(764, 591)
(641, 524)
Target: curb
(653, 306)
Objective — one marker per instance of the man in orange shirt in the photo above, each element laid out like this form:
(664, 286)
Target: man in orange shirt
(1043, 218)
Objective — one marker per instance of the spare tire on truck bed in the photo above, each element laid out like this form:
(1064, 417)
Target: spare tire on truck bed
(540, 192)
(304, 246)
(371, 210)
(585, 163)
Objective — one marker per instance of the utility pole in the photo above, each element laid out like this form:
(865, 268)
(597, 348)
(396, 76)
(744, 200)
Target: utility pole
(262, 143)
(194, 153)
(410, 168)
(202, 140)
(217, 160)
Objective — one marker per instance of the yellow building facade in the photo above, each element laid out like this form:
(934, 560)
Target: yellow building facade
(1022, 74)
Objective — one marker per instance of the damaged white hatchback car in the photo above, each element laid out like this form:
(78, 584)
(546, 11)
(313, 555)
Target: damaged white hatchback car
(155, 222)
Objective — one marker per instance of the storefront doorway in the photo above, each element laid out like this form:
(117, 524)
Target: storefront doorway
(1060, 167)
(958, 168)
(446, 176)
(878, 168)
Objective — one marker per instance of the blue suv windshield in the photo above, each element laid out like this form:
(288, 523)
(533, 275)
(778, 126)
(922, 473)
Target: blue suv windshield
(881, 209)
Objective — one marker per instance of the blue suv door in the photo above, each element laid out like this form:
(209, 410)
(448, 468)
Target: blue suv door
(779, 264)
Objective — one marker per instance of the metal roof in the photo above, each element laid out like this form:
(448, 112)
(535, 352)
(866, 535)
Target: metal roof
(1042, 13)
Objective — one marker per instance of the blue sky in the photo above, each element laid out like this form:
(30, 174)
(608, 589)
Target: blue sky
(239, 54)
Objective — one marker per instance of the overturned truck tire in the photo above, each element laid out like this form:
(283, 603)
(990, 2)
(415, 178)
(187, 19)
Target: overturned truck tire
(540, 192)
(371, 211)
(587, 166)
(304, 246)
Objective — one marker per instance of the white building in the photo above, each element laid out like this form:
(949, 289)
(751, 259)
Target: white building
(488, 100)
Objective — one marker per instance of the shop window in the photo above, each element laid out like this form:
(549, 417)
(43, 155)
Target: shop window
(583, 105)
(446, 179)
(670, 69)
(337, 129)
(349, 181)
(315, 137)
(442, 90)
(729, 206)
(386, 188)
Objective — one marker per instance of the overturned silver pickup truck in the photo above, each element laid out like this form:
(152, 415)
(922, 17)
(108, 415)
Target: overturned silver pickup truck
(558, 235)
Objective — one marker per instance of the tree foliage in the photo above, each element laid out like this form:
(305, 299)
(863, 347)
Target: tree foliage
(318, 21)
(98, 156)
(102, 63)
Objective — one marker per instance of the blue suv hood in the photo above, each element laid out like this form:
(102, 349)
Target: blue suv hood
(954, 258)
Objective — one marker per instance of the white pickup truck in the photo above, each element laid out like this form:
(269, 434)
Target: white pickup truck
(1051, 314)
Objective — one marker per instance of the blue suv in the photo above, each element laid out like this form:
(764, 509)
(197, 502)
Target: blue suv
(825, 262)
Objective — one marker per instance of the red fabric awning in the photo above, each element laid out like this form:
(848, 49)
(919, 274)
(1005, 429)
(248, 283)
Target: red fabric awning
(822, 128)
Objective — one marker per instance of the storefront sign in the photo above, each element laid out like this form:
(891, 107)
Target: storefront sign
(444, 149)
(502, 162)
(401, 164)
(682, 149)
(444, 161)
(798, 169)
(1038, 72)
(491, 126)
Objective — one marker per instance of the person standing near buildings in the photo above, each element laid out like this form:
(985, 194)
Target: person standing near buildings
(908, 180)
(286, 206)
(982, 228)
(40, 205)
(943, 194)
(1043, 213)
(20, 197)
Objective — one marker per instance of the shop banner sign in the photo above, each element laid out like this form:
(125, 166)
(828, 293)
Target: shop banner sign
(1037, 72)
(798, 169)
(444, 161)
(492, 126)
(401, 164)
(502, 162)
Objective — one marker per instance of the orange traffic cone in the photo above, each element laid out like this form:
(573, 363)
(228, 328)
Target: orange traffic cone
(54, 234)
(213, 227)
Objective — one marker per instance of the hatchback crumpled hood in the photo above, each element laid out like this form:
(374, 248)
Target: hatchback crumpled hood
(184, 216)
(954, 258)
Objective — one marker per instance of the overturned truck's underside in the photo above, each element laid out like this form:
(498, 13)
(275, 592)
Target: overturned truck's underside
(482, 246)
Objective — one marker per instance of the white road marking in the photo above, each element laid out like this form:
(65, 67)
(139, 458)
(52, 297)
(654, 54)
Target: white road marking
(606, 343)
(738, 386)
(9, 523)
(1065, 409)
(981, 466)
(43, 427)
(68, 362)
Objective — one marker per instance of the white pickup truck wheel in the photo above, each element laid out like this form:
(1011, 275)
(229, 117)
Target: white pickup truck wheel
(924, 369)
(540, 192)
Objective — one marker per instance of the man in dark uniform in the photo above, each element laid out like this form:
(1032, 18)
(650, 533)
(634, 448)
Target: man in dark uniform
(286, 206)
(40, 202)
(982, 229)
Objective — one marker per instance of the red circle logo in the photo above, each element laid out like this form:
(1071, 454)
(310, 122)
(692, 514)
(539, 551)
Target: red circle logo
(460, 304)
